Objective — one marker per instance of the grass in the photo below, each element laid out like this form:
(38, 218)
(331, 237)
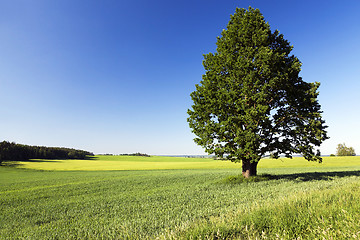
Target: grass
(157, 162)
(300, 201)
(240, 179)
(322, 214)
(127, 163)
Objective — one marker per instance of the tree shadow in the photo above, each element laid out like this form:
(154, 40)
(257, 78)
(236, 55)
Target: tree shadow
(314, 176)
(19, 162)
(9, 164)
(90, 158)
(61, 159)
(41, 160)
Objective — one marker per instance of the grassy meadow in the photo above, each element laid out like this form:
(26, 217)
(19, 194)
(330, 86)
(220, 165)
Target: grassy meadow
(124, 197)
(102, 163)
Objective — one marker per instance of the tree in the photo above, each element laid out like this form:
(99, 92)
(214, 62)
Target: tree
(19, 152)
(251, 100)
(342, 150)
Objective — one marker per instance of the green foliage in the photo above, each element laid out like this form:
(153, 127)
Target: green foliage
(342, 150)
(251, 100)
(273, 156)
(332, 155)
(19, 152)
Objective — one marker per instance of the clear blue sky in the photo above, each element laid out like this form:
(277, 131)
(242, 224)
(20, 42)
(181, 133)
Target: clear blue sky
(115, 76)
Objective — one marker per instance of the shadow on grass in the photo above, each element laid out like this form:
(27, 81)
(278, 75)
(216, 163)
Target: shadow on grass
(18, 163)
(296, 177)
(316, 176)
(9, 164)
(90, 158)
(41, 160)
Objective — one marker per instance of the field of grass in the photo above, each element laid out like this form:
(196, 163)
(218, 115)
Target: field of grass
(301, 200)
(158, 162)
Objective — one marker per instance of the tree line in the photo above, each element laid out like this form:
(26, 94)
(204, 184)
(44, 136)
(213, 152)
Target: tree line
(135, 154)
(11, 151)
(126, 154)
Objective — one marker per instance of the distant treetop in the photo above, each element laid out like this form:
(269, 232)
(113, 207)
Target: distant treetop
(342, 150)
(135, 154)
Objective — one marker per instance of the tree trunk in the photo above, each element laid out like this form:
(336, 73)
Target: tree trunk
(249, 168)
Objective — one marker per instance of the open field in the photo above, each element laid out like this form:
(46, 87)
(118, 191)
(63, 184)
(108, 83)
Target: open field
(308, 201)
(157, 162)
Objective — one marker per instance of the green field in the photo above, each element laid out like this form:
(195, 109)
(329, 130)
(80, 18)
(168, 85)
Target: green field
(158, 162)
(179, 198)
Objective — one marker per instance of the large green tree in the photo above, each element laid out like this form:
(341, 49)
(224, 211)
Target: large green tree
(251, 101)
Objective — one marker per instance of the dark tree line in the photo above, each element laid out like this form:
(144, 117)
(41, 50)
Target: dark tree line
(127, 154)
(11, 151)
(136, 154)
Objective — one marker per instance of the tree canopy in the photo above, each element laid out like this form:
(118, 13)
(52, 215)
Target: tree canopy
(343, 150)
(251, 101)
(10, 151)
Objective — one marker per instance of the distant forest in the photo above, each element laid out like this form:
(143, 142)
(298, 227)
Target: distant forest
(135, 154)
(127, 154)
(11, 151)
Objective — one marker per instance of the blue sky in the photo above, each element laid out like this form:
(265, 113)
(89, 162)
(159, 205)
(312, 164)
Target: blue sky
(116, 76)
